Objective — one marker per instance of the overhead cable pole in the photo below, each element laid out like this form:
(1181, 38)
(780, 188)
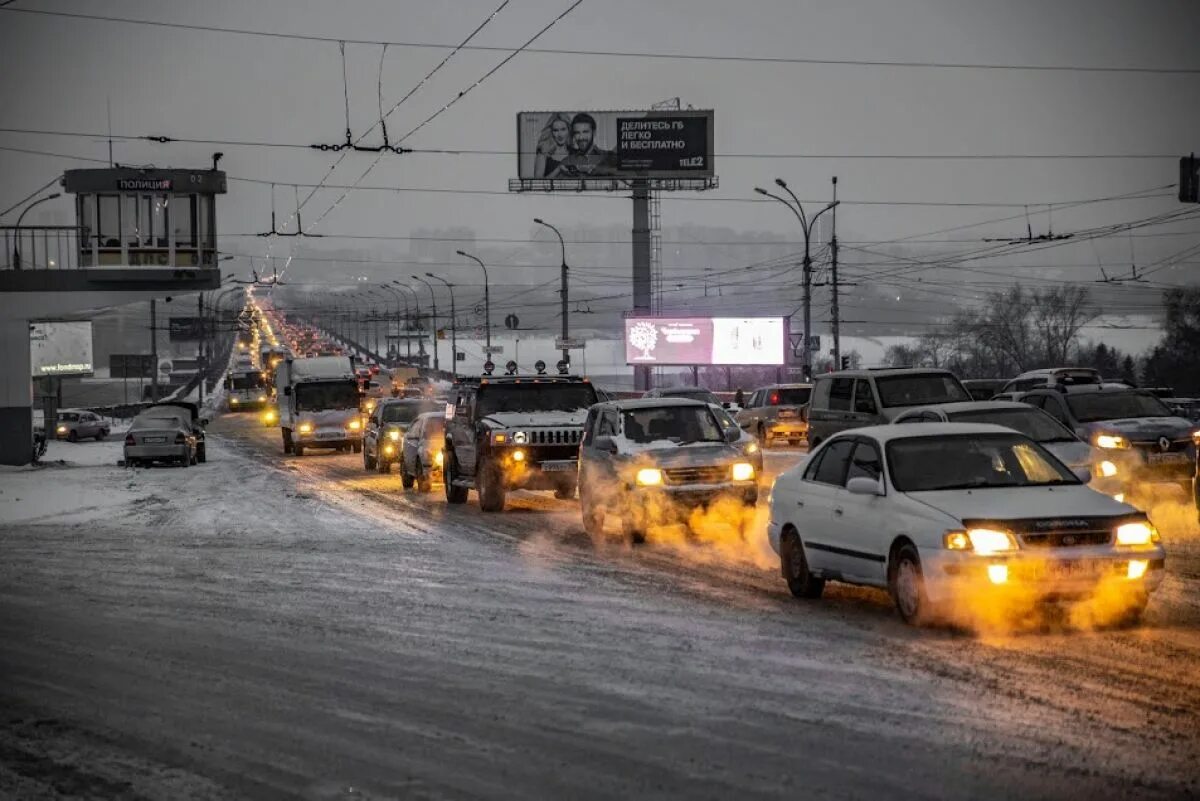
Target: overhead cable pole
(453, 325)
(487, 303)
(432, 298)
(566, 352)
(833, 277)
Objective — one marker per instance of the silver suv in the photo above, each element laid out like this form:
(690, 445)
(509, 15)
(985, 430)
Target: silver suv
(652, 461)
(857, 398)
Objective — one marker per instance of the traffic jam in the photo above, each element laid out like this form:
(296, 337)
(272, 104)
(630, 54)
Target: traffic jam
(975, 507)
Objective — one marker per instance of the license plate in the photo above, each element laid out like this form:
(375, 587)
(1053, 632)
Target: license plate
(329, 435)
(1167, 458)
(786, 413)
(1068, 569)
(153, 440)
(560, 466)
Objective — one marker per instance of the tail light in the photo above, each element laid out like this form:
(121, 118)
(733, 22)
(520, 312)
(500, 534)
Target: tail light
(129, 440)
(180, 439)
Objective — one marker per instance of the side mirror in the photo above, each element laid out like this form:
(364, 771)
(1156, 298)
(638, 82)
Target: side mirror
(605, 443)
(725, 405)
(203, 421)
(1084, 474)
(733, 434)
(861, 485)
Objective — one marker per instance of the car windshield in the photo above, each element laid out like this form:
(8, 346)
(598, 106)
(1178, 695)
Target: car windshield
(435, 427)
(1090, 407)
(920, 389)
(1037, 425)
(678, 424)
(403, 412)
(973, 461)
(329, 395)
(157, 421)
(248, 381)
(789, 396)
(724, 418)
(534, 397)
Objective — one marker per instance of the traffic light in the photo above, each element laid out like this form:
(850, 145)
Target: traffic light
(845, 362)
(1189, 179)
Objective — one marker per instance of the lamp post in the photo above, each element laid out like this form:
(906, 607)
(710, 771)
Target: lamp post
(409, 322)
(566, 353)
(17, 228)
(487, 302)
(453, 325)
(805, 226)
(433, 298)
(400, 296)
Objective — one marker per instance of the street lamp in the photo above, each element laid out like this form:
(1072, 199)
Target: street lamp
(432, 297)
(487, 301)
(408, 322)
(566, 353)
(17, 228)
(400, 296)
(805, 226)
(453, 324)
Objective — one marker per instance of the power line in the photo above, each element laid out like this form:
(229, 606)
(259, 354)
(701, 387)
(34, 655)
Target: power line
(629, 54)
(31, 195)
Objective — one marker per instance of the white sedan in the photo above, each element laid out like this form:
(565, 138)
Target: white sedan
(957, 516)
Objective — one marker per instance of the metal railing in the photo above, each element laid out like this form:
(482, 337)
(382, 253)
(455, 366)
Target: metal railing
(40, 247)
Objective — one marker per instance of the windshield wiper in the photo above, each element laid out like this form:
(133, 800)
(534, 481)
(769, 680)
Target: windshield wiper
(967, 485)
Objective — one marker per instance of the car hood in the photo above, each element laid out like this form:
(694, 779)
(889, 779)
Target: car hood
(537, 419)
(1143, 428)
(1073, 453)
(664, 453)
(1018, 503)
(329, 417)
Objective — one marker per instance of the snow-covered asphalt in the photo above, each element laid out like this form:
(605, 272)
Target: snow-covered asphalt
(265, 626)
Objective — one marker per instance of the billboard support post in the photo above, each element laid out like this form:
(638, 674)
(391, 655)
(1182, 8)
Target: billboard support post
(154, 350)
(641, 267)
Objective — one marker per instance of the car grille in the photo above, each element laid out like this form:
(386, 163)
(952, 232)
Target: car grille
(554, 436)
(696, 475)
(1066, 539)
(1153, 446)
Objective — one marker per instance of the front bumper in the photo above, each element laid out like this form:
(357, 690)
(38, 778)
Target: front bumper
(695, 496)
(786, 429)
(328, 438)
(1060, 573)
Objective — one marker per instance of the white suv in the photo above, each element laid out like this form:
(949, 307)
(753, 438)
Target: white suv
(958, 520)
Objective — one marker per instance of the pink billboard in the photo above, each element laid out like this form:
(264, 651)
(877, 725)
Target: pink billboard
(704, 340)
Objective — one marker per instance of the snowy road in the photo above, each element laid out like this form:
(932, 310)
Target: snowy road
(272, 627)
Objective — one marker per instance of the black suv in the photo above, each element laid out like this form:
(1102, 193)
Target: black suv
(514, 432)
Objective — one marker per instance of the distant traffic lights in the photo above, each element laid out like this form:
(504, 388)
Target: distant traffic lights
(1189, 179)
(845, 362)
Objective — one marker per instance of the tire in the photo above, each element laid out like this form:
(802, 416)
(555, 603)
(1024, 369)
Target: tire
(356, 447)
(369, 464)
(491, 488)
(794, 566)
(185, 461)
(906, 583)
(1132, 616)
(633, 530)
(287, 441)
(72, 436)
(424, 481)
(104, 433)
(565, 491)
(297, 449)
(201, 453)
(593, 515)
(454, 495)
(196, 458)
(383, 466)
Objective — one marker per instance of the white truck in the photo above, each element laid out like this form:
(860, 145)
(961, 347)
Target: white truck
(245, 389)
(319, 401)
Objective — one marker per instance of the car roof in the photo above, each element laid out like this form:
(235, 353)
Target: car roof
(1090, 389)
(886, 433)
(423, 415)
(670, 391)
(654, 403)
(885, 371)
(796, 385)
(970, 406)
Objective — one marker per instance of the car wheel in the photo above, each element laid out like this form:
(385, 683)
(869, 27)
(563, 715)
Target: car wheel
(101, 434)
(195, 458)
(565, 491)
(454, 494)
(491, 488)
(72, 436)
(368, 462)
(424, 481)
(1133, 612)
(801, 582)
(185, 460)
(633, 529)
(593, 515)
(356, 447)
(201, 453)
(287, 441)
(383, 466)
(907, 585)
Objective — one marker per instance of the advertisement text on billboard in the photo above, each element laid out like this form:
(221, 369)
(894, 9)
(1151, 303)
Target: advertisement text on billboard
(60, 348)
(705, 340)
(614, 144)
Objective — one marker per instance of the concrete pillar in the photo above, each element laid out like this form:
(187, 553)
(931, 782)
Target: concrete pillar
(16, 393)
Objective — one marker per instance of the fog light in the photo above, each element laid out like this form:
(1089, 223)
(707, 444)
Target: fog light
(354, 425)
(998, 574)
(649, 477)
(1108, 469)
(1137, 568)
(389, 450)
(394, 435)
(518, 455)
(438, 458)
(306, 428)
(233, 401)
(743, 471)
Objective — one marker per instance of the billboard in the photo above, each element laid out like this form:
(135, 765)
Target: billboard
(130, 365)
(705, 340)
(60, 348)
(185, 329)
(614, 144)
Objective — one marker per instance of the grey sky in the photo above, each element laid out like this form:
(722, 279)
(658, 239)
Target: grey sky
(193, 84)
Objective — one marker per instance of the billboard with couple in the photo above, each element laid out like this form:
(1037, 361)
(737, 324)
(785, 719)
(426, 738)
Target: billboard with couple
(614, 144)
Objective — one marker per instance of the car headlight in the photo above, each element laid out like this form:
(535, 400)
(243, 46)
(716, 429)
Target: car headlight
(438, 458)
(1139, 533)
(649, 477)
(270, 416)
(1111, 442)
(520, 438)
(233, 401)
(306, 428)
(743, 471)
(394, 434)
(752, 447)
(983, 541)
(1196, 437)
(262, 398)
(62, 429)
(1106, 469)
(354, 425)
(389, 450)
(518, 455)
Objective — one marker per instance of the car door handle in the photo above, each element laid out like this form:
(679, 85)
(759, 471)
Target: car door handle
(837, 510)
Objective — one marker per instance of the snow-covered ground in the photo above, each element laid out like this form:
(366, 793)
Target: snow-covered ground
(269, 626)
